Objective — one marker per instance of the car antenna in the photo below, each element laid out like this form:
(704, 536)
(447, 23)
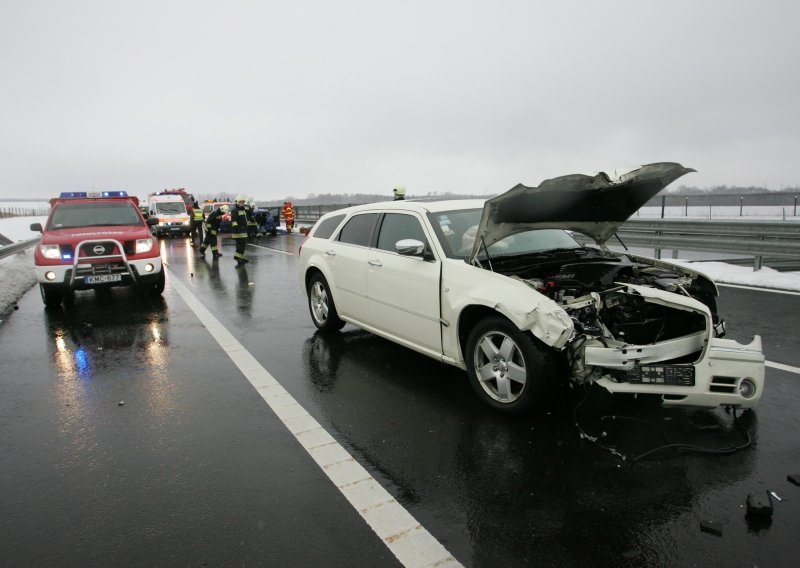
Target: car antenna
(620, 242)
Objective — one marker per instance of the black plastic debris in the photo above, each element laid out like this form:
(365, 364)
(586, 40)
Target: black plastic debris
(711, 527)
(759, 504)
(794, 478)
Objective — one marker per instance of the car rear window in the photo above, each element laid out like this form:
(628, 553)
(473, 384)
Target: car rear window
(104, 214)
(359, 229)
(325, 228)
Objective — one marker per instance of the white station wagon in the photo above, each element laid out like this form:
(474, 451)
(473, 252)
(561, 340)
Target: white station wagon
(502, 289)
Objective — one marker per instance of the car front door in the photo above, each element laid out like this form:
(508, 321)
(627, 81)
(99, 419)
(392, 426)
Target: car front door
(403, 290)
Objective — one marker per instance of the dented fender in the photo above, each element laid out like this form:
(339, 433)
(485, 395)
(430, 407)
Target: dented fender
(522, 305)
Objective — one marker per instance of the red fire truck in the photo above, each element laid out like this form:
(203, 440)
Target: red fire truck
(96, 241)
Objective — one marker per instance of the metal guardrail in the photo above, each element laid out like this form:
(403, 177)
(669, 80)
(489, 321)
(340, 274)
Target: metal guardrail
(758, 239)
(16, 247)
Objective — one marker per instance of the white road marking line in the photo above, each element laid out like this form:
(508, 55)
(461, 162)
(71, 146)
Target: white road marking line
(760, 289)
(270, 248)
(405, 537)
(782, 367)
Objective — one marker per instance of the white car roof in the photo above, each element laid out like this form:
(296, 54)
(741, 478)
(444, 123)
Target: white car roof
(419, 206)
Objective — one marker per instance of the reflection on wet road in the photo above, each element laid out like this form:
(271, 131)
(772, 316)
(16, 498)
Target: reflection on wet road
(195, 456)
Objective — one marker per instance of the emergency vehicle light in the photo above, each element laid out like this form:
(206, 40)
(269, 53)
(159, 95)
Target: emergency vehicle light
(114, 194)
(72, 194)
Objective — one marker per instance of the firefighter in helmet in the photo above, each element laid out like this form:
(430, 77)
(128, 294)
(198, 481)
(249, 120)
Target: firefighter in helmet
(251, 219)
(288, 215)
(399, 193)
(212, 230)
(239, 228)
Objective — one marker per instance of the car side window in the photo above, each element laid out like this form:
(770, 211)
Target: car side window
(398, 226)
(359, 229)
(326, 228)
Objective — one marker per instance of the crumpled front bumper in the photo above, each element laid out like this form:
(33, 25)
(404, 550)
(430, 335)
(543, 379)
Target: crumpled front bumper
(728, 373)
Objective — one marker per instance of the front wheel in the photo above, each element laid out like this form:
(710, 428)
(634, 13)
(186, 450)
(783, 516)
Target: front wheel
(50, 296)
(155, 288)
(509, 369)
(321, 306)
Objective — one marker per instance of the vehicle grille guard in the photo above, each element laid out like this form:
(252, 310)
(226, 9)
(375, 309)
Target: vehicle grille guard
(107, 268)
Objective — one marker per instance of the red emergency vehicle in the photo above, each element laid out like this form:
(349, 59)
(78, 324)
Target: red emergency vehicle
(96, 241)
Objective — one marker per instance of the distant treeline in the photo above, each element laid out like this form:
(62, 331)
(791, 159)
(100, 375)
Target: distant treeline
(731, 193)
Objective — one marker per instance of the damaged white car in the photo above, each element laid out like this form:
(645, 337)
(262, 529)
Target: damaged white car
(502, 289)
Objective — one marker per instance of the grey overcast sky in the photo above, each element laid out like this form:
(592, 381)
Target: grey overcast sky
(294, 97)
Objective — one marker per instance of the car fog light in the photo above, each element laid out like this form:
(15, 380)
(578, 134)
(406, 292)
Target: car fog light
(50, 275)
(149, 267)
(747, 388)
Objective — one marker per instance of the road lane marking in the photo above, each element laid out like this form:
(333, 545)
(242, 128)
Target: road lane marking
(782, 367)
(760, 289)
(270, 248)
(405, 537)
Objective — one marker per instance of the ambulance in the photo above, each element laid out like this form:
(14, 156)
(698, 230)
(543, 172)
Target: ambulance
(171, 214)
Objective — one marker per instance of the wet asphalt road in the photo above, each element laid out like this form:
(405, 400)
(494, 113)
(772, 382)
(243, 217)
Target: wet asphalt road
(129, 437)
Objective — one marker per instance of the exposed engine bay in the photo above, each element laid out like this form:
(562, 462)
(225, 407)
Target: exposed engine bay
(601, 292)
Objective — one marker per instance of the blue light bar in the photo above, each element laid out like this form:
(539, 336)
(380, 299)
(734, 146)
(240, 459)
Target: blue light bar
(114, 194)
(72, 194)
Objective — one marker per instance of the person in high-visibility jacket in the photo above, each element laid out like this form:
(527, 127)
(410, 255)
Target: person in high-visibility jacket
(288, 215)
(197, 224)
(212, 223)
(239, 220)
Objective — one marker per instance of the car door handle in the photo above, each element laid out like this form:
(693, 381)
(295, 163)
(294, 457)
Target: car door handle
(375, 262)
(330, 252)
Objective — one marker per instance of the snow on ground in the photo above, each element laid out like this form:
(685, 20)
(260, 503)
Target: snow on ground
(16, 271)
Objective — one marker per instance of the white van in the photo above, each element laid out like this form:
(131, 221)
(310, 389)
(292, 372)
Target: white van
(170, 210)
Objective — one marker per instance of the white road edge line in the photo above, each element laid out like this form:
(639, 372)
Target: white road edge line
(405, 537)
(759, 289)
(782, 367)
(270, 248)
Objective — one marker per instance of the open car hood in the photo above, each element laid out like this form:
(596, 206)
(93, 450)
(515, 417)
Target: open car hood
(593, 205)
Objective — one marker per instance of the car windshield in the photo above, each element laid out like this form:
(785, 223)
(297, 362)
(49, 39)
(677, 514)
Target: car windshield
(171, 207)
(457, 229)
(71, 215)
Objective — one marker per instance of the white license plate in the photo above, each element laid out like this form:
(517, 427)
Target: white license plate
(102, 278)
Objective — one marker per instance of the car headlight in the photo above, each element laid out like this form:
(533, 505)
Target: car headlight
(143, 245)
(50, 251)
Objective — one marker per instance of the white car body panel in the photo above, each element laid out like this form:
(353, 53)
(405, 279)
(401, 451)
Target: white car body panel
(403, 292)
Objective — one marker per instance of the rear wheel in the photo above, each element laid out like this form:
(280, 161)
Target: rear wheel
(321, 306)
(509, 369)
(51, 296)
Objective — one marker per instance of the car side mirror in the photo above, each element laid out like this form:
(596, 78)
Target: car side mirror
(37, 227)
(151, 221)
(412, 247)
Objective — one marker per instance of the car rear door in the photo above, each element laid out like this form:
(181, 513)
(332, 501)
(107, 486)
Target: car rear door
(347, 260)
(403, 291)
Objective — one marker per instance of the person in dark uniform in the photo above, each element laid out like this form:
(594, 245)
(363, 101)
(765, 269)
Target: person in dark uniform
(212, 223)
(239, 227)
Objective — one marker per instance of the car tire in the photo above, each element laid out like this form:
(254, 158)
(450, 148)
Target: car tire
(153, 289)
(321, 306)
(50, 296)
(508, 369)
